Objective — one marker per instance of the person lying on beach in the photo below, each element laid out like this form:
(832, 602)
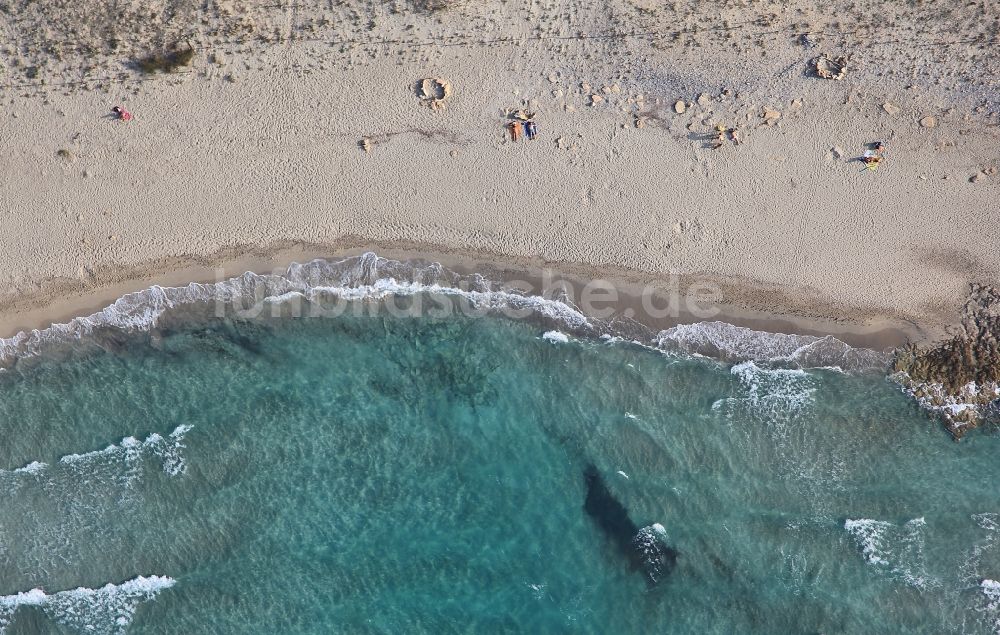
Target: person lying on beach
(515, 130)
(530, 129)
(123, 114)
(873, 156)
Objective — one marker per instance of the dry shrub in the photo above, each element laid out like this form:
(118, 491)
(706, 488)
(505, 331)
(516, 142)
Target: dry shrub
(433, 6)
(167, 61)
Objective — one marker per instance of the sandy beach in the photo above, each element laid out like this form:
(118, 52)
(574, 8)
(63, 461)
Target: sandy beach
(253, 154)
(637, 316)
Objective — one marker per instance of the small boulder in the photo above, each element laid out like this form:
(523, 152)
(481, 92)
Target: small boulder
(891, 109)
(929, 122)
(828, 67)
(680, 106)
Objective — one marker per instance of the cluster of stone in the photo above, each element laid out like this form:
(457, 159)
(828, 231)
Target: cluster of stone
(959, 378)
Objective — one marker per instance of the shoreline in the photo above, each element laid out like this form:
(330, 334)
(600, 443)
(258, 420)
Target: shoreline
(249, 158)
(623, 181)
(59, 301)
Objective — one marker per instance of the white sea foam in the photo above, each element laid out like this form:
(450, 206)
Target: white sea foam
(870, 536)
(768, 407)
(128, 452)
(61, 503)
(650, 542)
(367, 277)
(35, 467)
(971, 570)
(538, 590)
(958, 409)
(991, 591)
(771, 409)
(104, 611)
(896, 550)
(556, 337)
(774, 392)
(371, 278)
(732, 343)
(759, 378)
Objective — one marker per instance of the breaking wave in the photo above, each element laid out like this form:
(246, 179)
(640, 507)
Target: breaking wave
(736, 344)
(131, 450)
(772, 397)
(787, 389)
(896, 550)
(65, 500)
(129, 453)
(324, 284)
(991, 608)
(366, 277)
(105, 611)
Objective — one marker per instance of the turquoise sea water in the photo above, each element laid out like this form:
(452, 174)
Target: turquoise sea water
(386, 474)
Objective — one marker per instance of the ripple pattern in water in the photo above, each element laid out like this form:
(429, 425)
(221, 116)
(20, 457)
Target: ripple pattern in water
(384, 475)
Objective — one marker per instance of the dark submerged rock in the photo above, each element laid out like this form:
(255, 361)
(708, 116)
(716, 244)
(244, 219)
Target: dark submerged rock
(645, 547)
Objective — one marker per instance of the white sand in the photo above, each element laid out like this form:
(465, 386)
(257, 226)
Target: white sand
(210, 168)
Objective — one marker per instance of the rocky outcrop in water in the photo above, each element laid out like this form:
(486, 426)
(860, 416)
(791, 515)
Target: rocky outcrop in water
(645, 548)
(959, 378)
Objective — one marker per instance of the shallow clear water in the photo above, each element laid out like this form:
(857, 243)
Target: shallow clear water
(384, 475)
